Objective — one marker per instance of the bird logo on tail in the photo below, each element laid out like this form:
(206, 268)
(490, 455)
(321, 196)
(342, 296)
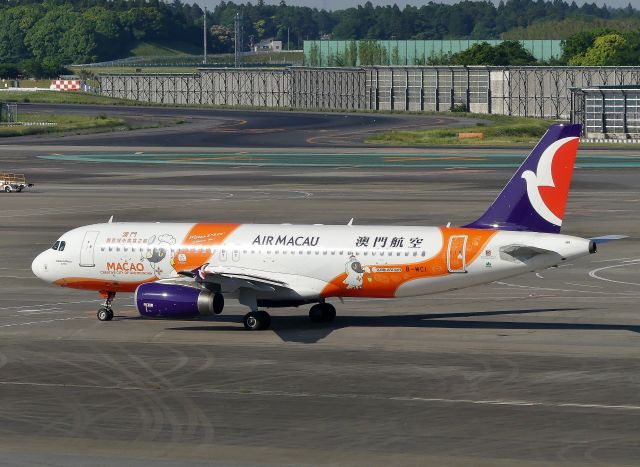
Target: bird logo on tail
(548, 187)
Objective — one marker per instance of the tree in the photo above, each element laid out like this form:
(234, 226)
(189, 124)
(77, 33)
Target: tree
(605, 51)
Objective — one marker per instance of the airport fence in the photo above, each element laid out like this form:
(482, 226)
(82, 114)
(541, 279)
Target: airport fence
(524, 91)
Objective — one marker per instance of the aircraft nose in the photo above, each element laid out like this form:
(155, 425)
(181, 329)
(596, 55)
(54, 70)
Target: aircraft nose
(39, 266)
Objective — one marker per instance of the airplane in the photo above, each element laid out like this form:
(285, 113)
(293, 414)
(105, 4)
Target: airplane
(178, 270)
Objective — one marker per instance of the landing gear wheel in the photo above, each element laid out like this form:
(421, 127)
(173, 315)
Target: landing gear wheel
(105, 314)
(322, 313)
(218, 303)
(256, 320)
(328, 312)
(315, 314)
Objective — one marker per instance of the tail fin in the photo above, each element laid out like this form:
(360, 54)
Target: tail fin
(536, 196)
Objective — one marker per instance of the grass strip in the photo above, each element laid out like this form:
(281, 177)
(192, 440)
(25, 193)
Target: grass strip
(63, 123)
(502, 130)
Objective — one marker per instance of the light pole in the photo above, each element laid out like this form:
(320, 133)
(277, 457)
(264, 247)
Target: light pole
(204, 36)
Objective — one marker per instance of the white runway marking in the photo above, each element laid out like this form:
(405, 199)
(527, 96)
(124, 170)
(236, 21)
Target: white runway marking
(594, 273)
(252, 393)
(41, 322)
(38, 310)
(18, 307)
(584, 285)
(17, 277)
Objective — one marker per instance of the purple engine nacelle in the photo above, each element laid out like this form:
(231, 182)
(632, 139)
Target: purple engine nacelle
(157, 300)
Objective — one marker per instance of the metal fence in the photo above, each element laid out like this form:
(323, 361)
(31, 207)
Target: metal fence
(607, 112)
(526, 91)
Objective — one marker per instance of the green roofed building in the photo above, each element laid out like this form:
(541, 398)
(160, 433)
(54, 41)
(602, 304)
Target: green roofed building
(396, 52)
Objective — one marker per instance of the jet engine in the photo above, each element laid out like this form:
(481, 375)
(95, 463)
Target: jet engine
(157, 300)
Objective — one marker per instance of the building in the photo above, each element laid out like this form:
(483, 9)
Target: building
(608, 113)
(268, 45)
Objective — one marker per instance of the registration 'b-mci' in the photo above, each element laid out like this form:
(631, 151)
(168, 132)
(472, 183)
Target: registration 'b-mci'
(189, 270)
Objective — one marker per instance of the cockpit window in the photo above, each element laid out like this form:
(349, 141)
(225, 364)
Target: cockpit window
(62, 245)
(55, 246)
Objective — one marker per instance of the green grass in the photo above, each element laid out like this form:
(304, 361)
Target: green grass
(55, 97)
(502, 130)
(154, 49)
(64, 123)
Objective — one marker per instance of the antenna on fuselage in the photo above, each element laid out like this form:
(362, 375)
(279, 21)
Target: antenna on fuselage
(110, 220)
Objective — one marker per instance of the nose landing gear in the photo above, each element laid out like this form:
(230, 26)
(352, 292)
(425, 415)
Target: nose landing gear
(105, 312)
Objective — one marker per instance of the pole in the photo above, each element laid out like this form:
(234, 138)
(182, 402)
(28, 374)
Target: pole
(288, 48)
(204, 35)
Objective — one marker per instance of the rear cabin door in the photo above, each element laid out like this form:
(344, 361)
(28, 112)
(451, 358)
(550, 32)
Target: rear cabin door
(456, 254)
(88, 249)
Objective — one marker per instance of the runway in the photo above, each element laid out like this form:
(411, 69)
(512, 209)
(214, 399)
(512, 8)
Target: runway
(539, 369)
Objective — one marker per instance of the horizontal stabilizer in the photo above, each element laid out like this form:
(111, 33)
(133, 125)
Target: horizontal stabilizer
(607, 238)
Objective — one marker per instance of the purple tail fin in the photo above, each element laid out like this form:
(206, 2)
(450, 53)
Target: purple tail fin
(535, 197)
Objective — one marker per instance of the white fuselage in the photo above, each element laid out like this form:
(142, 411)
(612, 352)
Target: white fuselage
(313, 261)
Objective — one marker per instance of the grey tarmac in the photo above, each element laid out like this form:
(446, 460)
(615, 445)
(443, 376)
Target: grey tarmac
(537, 370)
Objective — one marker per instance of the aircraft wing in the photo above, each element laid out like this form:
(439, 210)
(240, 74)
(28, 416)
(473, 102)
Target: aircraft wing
(233, 278)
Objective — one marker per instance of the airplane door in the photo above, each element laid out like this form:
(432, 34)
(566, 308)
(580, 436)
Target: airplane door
(88, 249)
(235, 255)
(456, 254)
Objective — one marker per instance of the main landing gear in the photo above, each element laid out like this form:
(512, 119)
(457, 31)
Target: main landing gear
(322, 313)
(105, 312)
(259, 319)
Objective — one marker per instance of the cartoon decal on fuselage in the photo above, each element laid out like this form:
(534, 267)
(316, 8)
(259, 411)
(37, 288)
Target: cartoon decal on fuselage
(156, 253)
(355, 273)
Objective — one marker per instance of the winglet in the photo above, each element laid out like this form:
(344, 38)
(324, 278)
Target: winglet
(110, 220)
(350, 223)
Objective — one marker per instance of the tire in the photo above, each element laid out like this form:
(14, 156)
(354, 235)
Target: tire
(7, 189)
(19, 190)
(256, 320)
(109, 314)
(315, 314)
(103, 314)
(328, 312)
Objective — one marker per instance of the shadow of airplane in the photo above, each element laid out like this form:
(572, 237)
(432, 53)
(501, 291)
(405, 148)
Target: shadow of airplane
(300, 329)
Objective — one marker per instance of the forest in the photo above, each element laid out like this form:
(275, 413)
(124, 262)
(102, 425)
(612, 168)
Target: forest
(40, 37)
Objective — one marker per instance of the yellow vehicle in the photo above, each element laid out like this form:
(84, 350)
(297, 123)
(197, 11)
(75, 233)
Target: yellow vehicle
(13, 182)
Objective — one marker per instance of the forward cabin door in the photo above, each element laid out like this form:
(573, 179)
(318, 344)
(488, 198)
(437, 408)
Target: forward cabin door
(456, 254)
(88, 249)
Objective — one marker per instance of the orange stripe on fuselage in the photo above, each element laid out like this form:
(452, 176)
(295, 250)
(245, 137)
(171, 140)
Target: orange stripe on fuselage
(384, 284)
(201, 236)
(99, 284)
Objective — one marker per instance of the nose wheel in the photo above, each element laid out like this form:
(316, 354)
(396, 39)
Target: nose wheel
(105, 312)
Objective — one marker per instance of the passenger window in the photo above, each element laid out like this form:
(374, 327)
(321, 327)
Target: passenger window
(110, 249)
(62, 245)
(415, 253)
(424, 253)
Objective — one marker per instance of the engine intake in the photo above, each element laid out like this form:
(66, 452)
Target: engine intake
(157, 300)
